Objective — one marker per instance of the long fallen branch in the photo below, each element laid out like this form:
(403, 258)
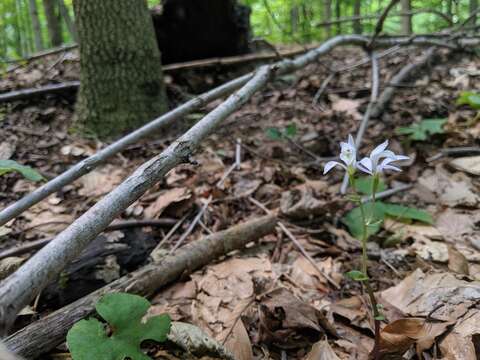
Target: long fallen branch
(90, 163)
(23, 285)
(403, 75)
(48, 332)
(47, 89)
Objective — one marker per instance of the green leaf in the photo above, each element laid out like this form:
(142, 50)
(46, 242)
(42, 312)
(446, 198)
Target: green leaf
(422, 130)
(364, 185)
(469, 98)
(290, 130)
(374, 215)
(88, 340)
(27, 172)
(274, 133)
(404, 212)
(357, 275)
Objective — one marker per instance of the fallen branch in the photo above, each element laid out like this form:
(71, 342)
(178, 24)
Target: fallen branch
(48, 89)
(23, 285)
(45, 334)
(381, 21)
(90, 163)
(402, 76)
(117, 225)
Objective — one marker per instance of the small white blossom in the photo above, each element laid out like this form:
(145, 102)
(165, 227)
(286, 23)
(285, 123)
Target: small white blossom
(348, 154)
(371, 164)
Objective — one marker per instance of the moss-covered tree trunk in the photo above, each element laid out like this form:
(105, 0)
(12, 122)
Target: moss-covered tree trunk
(121, 78)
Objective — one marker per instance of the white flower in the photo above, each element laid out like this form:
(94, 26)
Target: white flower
(371, 165)
(348, 154)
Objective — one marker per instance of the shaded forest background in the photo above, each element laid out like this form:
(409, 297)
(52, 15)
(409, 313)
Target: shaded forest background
(29, 26)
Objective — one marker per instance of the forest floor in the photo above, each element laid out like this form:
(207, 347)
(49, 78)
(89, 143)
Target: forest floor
(279, 306)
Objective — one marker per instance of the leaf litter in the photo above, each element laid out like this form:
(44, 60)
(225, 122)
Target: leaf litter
(269, 300)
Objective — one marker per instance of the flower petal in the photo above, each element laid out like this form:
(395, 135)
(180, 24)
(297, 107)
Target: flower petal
(365, 165)
(401, 157)
(385, 165)
(330, 165)
(351, 141)
(378, 150)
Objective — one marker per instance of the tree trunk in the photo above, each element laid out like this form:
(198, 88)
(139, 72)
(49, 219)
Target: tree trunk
(121, 77)
(68, 19)
(37, 30)
(406, 19)
(357, 24)
(450, 8)
(327, 16)
(473, 8)
(338, 15)
(53, 22)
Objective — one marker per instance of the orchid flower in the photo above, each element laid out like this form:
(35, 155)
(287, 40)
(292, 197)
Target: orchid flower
(371, 164)
(348, 154)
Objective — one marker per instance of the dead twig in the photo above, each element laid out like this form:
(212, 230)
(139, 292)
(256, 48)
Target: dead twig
(454, 151)
(191, 226)
(380, 22)
(297, 244)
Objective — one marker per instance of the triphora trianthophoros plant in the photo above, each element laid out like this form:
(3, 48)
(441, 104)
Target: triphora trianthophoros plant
(380, 160)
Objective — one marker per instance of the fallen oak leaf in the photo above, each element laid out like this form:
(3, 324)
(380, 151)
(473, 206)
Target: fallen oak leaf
(322, 351)
(398, 336)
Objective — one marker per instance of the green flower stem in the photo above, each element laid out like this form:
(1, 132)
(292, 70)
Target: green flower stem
(366, 283)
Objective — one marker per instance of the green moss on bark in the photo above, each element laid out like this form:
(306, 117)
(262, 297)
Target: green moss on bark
(121, 78)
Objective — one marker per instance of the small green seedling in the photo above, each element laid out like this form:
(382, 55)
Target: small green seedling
(88, 339)
(469, 98)
(27, 172)
(423, 130)
(288, 131)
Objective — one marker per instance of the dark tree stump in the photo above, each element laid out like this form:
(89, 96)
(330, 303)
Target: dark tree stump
(198, 29)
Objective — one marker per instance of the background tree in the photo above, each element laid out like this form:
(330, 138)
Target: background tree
(473, 6)
(357, 10)
(407, 18)
(53, 20)
(121, 78)
(35, 19)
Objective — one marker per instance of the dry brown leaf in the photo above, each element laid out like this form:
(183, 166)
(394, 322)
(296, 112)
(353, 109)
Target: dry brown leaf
(304, 274)
(398, 336)
(283, 318)
(469, 164)
(348, 106)
(239, 343)
(452, 189)
(443, 296)
(245, 187)
(101, 181)
(155, 209)
(462, 343)
(321, 351)
(458, 226)
(457, 262)
(354, 310)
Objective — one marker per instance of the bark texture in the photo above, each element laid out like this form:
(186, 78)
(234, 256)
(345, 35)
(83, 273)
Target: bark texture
(121, 79)
(53, 22)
